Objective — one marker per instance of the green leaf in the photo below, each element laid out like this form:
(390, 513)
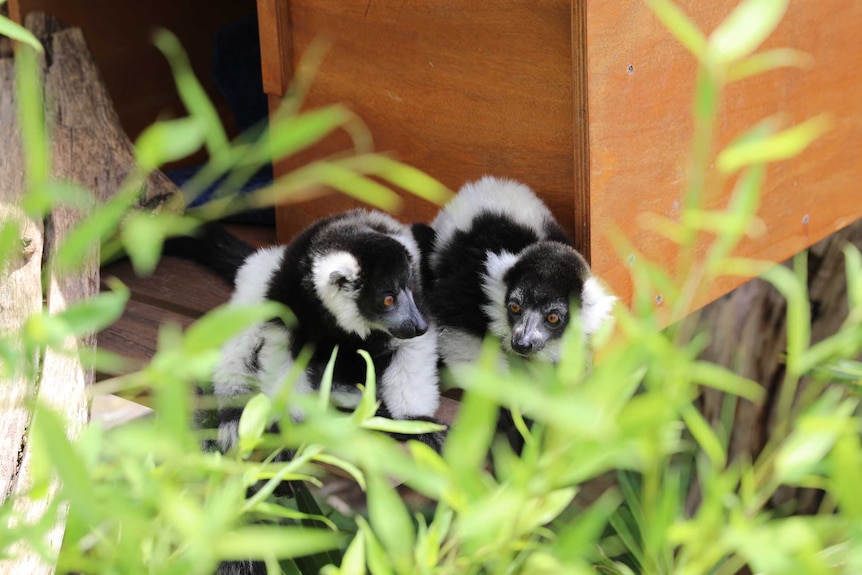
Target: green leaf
(577, 538)
(745, 29)
(361, 188)
(378, 562)
(253, 421)
(11, 243)
(847, 474)
(17, 32)
(853, 268)
(353, 562)
(798, 314)
(368, 404)
(191, 92)
(48, 432)
(288, 135)
(31, 117)
(704, 435)
(404, 176)
(781, 146)
(168, 141)
(39, 201)
(544, 509)
(88, 234)
(258, 542)
(718, 377)
(401, 425)
(391, 521)
(345, 466)
(763, 62)
(326, 380)
(144, 233)
(225, 321)
(275, 510)
(96, 313)
(470, 436)
(680, 26)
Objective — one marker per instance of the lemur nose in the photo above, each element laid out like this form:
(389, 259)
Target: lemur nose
(522, 345)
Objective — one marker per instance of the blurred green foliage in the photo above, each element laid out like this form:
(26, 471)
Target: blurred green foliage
(144, 498)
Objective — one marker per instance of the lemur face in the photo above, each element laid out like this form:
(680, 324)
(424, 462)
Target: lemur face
(546, 279)
(386, 296)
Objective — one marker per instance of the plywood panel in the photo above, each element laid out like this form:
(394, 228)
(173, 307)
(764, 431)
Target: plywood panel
(640, 87)
(136, 74)
(458, 89)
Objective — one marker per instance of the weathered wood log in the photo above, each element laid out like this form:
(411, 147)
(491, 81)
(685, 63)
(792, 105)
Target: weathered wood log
(90, 149)
(748, 333)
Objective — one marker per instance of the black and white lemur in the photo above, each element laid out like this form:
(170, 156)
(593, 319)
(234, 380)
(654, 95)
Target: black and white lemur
(349, 280)
(496, 263)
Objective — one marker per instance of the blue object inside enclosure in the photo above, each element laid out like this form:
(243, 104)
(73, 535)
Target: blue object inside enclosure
(237, 75)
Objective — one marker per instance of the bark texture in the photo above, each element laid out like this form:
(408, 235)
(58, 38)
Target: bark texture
(748, 333)
(89, 148)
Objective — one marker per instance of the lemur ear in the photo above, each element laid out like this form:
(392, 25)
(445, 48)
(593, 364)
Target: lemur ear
(343, 280)
(596, 305)
(338, 270)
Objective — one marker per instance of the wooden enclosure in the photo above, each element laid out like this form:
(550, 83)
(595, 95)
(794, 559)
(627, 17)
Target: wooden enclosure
(587, 102)
(136, 74)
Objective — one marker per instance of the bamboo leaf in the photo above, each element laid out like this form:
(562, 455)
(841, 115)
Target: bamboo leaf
(745, 29)
(378, 562)
(401, 425)
(763, 62)
(781, 146)
(143, 235)
(353, 562)
(191, 92)
(260, 541)
(253, 421)
(18, 33)
(680, 26)
(368, 404)
(704, 435)
(168, 141)
(216, 327)
(391, 520)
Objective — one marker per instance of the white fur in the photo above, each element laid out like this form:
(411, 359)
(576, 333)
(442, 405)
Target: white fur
(409, 384)
(228, 434)
(490, 195)
(458, 346)
(232, 378)
(340, 301)
(496, 266)
(252, 278)
(596, 306)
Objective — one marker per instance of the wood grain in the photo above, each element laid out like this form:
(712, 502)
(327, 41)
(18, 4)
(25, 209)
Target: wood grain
(20, 282)
(89, 148)
(590, 104)
(273, 18)
(457, 89)
(640, 91)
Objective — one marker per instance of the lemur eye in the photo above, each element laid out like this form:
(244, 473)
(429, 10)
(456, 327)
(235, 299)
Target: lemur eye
(514, 308)
(388, 300)
(553, 319)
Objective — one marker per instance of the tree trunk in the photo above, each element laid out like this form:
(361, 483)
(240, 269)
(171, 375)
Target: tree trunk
(748, 333)
(88, 148)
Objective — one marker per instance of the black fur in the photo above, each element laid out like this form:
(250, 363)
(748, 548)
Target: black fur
(537, 275)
